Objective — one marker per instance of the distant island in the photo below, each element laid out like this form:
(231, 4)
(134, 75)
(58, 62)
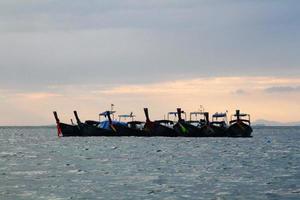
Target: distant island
(263, 122)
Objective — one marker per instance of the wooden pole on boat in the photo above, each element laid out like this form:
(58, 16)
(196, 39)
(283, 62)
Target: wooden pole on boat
(179, 114)
(56, 117)
(147, 114)
(59, 132)
(237, 115)
(206, 115)
(108, 117)
(149, 125)
(110, 121)
(77, 118)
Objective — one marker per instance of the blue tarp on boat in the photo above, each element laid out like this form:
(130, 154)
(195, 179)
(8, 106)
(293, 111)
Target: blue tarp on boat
(105, 124)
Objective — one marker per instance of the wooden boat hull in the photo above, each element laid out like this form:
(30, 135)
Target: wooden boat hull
(239, 129)
(86, 130)
(157, 130)
(184, 129)
(120, 130)
(66, 130)
(219, 131)
(208, 131)
(151, 129)
(91, 131)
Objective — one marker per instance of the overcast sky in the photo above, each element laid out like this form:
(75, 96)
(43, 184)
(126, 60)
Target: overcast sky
(63, 45)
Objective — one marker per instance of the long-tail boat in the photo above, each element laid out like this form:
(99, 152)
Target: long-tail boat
(66, 130)
(194, 120)
(219, 124)
(133, 124)
(240, 125)
(111, 128)
(157, 128)
(123, 129)
(206, 128)
(91, 128)
(202, 123)
(185, 129)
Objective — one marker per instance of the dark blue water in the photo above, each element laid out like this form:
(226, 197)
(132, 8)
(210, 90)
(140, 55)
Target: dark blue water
(35, 164)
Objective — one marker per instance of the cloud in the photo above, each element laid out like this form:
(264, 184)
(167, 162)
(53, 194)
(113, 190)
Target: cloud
(91, 51)
(135, 42)
(76, 14)
(282, 89)
(217, 85)
(39, 95)
(240, 92)
(215, 94)
(208, 85)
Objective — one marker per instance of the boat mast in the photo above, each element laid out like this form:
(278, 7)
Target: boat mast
(112, 109)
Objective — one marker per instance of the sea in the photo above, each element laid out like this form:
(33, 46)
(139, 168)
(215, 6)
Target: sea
(36, 164)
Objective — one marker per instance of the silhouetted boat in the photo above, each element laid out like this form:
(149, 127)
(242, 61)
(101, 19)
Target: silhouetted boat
(206, 128)
(219, 124)
(66, 130)
(203, 123)
(91, 128)
(136, 125)
(196, 120)
(157, 128)
(79, 130)
(186, 129)
(107, 128)
(240, 125)
(125, 129)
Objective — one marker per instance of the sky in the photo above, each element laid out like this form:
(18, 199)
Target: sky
(67, 55)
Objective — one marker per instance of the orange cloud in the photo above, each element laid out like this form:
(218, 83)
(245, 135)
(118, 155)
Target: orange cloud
(215, 94)
(219, 85)
(38, 95)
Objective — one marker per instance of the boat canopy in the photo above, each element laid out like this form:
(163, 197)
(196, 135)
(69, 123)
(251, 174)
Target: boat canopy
(197, 113)
(175, 113)
(105, 113)
(217, 115)
(106, 125)
(242, 115)
(126, 116)
(172, 113)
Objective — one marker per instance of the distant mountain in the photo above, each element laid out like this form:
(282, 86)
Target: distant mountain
(263, 122)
